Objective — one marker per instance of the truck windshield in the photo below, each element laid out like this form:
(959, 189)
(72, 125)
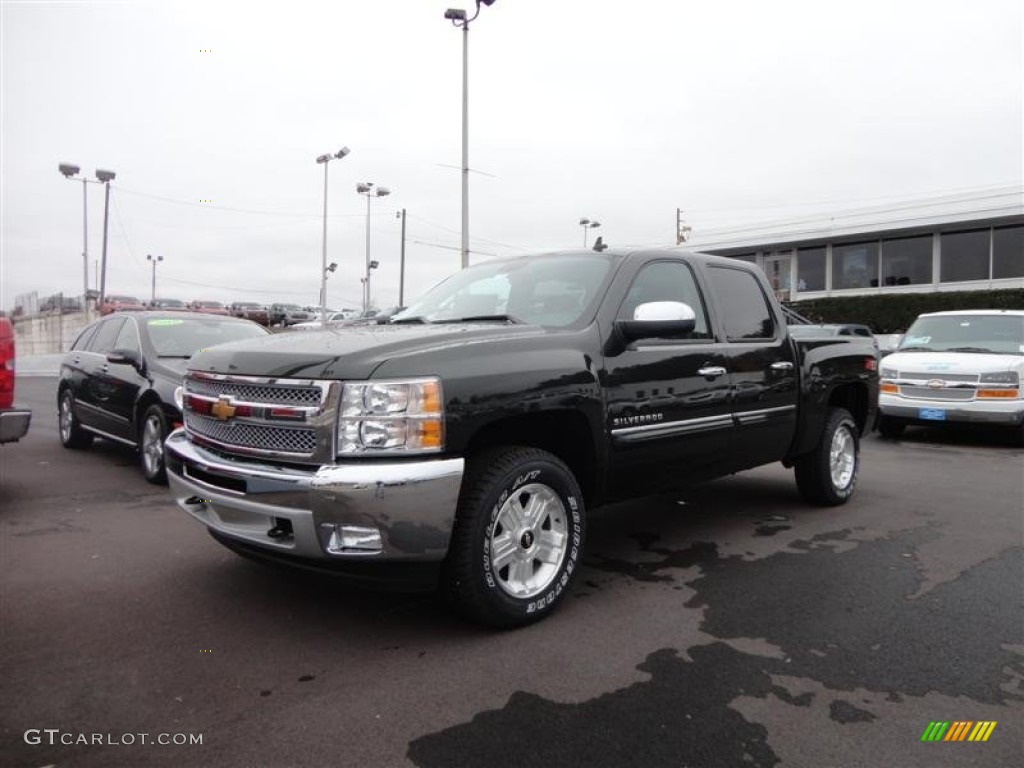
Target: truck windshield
(982, 334)
(554, 291)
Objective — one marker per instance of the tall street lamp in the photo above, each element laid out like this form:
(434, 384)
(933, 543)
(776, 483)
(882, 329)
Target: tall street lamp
(325, 160)
(69, 170)
(105, 177)
(588, 224)
(370, 190)
(152, 290)
(457, 16)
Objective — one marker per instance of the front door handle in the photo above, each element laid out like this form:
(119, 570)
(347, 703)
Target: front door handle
(711, 371)
(784, 365)
(105, 368)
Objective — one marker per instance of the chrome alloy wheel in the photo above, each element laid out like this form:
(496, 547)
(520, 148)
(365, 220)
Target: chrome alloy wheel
(842, 457)
(152, 447)
(66, 419)
(528, 540)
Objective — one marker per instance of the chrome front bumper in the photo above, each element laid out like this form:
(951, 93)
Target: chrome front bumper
(1006, 412)
(14, 425)
(412, 504)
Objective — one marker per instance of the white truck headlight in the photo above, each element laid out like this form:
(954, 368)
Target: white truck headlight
(391, 417)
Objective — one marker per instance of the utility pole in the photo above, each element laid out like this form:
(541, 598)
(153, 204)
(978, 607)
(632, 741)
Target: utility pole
(401, 269)
(682, 229)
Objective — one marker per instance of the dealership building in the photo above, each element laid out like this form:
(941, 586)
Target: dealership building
(949, 243)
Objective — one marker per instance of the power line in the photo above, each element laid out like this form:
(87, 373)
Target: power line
(210, 206)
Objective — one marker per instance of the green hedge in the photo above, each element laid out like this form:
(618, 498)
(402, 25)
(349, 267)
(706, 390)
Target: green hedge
(893, 313)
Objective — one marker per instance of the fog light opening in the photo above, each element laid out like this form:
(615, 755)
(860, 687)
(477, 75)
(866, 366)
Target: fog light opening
(353, 539)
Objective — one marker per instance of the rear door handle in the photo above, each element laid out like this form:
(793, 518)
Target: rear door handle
(782, 366)
(711, 371)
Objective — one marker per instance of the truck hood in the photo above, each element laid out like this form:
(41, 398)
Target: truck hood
(950, 362)
(346, 353)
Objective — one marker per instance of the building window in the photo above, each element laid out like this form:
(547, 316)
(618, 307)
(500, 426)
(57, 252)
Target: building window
(1008, 252)
(855, 265)
(810, 269)
(964, 256)
(907, 261)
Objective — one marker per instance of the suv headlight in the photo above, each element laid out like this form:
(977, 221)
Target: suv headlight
(404, 416)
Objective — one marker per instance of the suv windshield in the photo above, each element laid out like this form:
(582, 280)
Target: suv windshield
(184, 337)
(992, 334)
(553, 291)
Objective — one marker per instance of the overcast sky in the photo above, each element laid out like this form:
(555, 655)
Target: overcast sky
(617, 111)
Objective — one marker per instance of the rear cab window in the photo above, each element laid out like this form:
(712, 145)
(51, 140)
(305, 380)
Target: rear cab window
(746, 314)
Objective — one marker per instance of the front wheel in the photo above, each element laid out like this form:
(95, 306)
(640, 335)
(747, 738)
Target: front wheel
(518, 537)
(152, 434)
(828, 474)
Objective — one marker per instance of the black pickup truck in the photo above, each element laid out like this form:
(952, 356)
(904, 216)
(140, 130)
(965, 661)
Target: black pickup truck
(463, 442)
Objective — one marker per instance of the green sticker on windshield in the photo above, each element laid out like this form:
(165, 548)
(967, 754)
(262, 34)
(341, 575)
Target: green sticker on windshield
(165, 322)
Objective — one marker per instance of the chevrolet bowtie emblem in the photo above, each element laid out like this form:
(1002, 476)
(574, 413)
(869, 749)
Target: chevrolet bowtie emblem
(223, 409)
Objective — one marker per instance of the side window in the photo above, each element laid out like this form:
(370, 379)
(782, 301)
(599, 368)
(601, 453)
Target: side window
(744, 307)
(103, 340)
(82, 342)
(667, 281)
(128, 338)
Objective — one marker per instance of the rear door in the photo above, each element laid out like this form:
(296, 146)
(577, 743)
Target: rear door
(762, 364)
(667, 399)
(95, 390)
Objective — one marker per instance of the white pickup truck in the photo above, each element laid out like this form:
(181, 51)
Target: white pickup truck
(964, 366)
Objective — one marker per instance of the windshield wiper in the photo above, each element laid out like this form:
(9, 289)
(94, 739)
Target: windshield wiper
(483, 319)
(916, 349)
(979, 350)
(418, 319)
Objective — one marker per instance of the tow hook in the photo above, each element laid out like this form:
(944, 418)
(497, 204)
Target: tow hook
(282, 528)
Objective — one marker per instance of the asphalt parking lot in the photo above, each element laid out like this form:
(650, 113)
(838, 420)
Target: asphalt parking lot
(730, 626)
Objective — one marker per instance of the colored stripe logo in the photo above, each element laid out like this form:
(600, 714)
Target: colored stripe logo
(958, 730)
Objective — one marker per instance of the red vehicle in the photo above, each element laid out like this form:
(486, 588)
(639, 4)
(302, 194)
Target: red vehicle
(13, 423)
(121, 304)
(209, 307)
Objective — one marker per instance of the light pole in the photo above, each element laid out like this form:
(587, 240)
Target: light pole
(152, 291)
(370, 190)
(325, 161)
(457, 16)
(401, 267)
(105, 177)
(69, 170)
(588, 224)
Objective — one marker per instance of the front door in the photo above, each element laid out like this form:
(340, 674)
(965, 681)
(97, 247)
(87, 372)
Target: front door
(667, 399)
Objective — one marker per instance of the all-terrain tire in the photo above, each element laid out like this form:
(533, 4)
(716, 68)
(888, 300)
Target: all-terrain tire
(827, 475)
(518, 537)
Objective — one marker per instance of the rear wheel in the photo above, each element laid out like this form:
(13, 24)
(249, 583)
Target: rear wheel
(828, 474)
(71, 433)
(890, 426)
(518, 537)
(152, 433)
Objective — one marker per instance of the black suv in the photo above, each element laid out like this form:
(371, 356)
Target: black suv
(118, 379)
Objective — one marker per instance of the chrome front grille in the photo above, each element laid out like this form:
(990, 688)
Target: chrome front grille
(927, 393)
(276, 394)
(952, 378)
(293, 420)
(253, 436)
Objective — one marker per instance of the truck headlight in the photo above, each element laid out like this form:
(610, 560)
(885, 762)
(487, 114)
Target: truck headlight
(391, 417)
